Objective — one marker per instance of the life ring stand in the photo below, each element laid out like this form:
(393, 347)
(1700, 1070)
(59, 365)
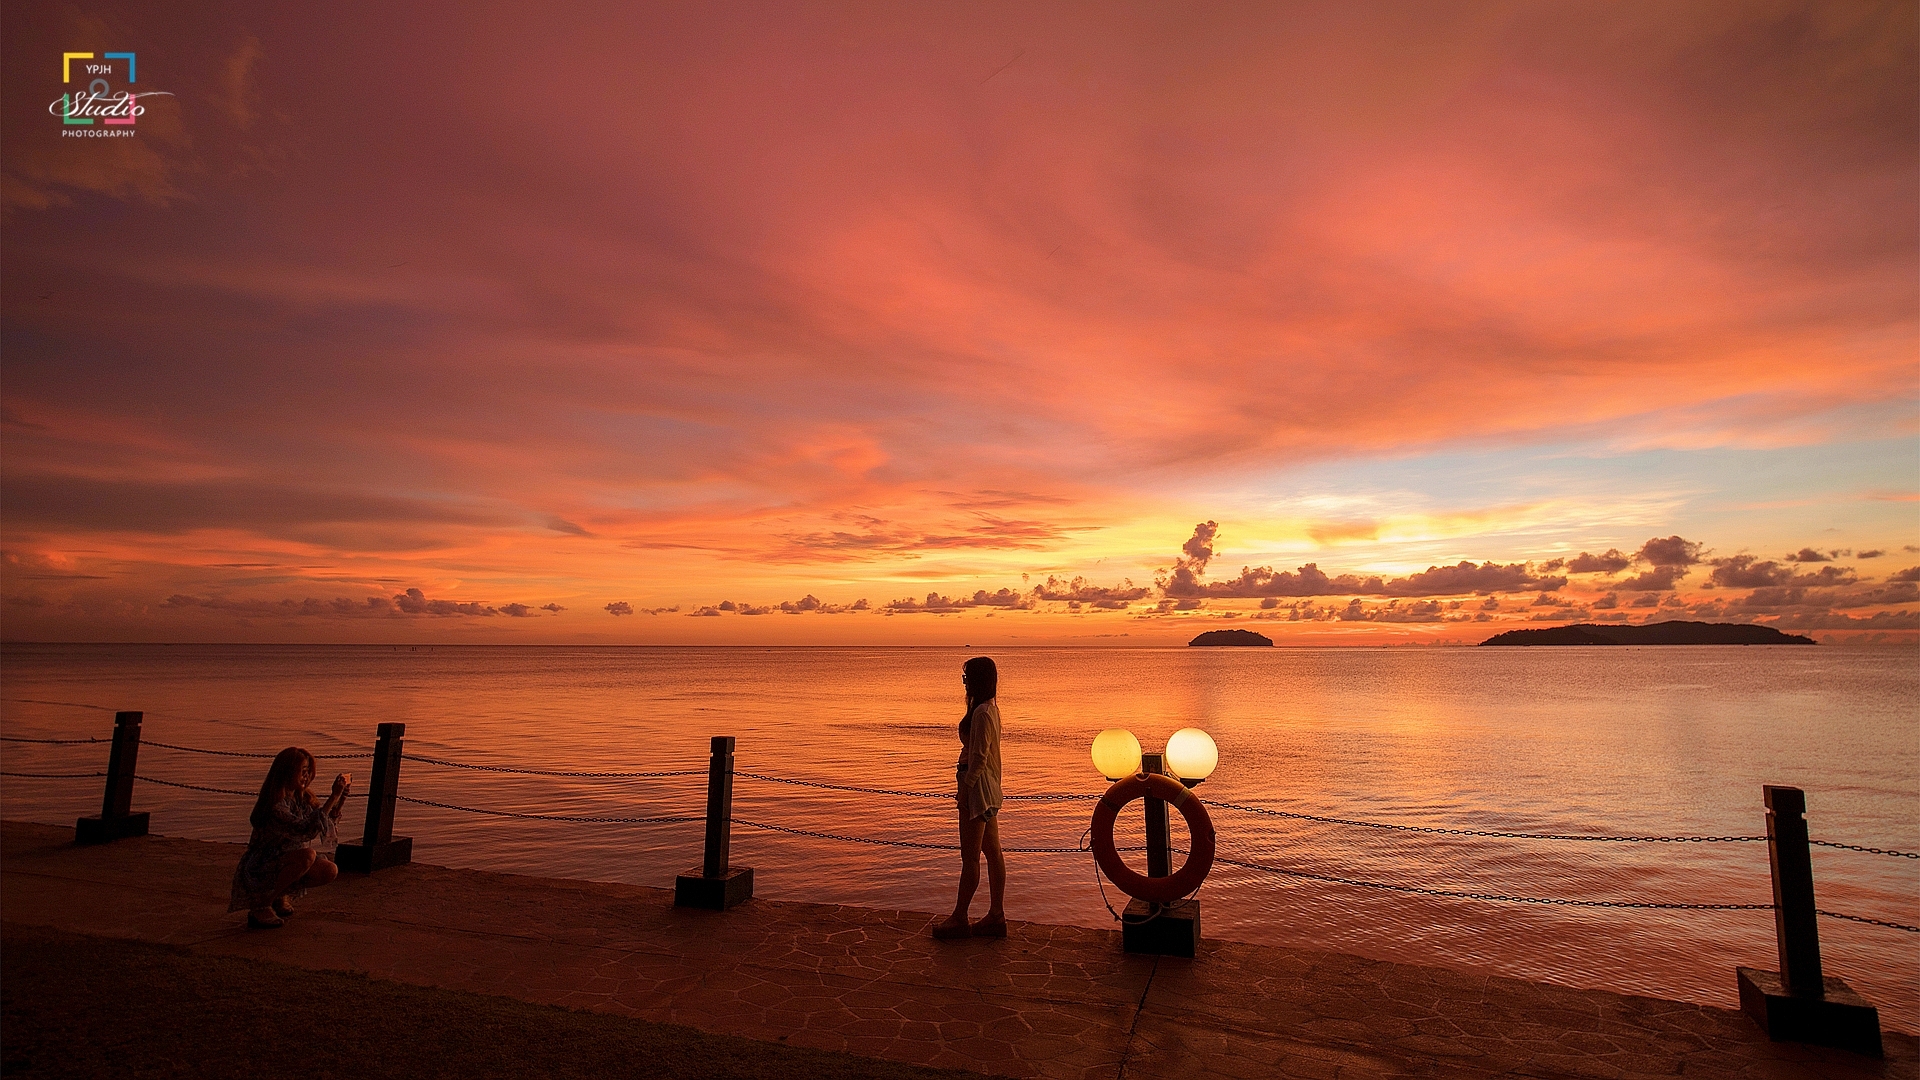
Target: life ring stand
(1154, 890)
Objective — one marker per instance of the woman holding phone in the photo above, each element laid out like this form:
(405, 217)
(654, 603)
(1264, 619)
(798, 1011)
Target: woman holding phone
(282, 861)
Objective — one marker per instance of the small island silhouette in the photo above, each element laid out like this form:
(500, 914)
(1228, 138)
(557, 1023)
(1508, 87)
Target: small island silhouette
(1673, 632)
(1231, 637)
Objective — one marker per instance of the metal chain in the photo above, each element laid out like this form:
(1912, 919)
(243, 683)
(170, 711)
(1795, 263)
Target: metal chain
(548, 772)
(247, 754)
(905, 794)
(552, 817)
(921, 845)
(1484, 832)
(67, 704)
(142, 779)
(50, 742)
(1553, 901)
(1494, 896)
(195, 787)
(846, 787)
(1864, 919)
(451, 806)
(1868, 850)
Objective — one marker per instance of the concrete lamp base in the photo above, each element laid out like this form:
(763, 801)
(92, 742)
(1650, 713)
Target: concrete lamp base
(1840, 1018)
(362, 859)
(1175, 931)
(695, 889)
(95, 829)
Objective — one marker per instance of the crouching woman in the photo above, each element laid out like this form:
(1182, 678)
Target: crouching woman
(283, 860)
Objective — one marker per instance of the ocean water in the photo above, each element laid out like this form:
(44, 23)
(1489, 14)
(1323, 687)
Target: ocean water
(1672, 741)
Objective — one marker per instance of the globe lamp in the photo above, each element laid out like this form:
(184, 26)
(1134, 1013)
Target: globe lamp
(1191, 755)
(1116, 753)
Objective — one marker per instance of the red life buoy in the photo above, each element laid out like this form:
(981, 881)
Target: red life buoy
(1154, 890)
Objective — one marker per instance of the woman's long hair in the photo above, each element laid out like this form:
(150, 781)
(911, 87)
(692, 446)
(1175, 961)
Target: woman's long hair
(983, 681)
(283, 774)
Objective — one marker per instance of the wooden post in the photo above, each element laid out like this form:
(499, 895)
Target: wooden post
(1159, 929)
(116, 818)
(378, 847)
(719, 808)
(1159, 859)
(716, 884)
(1801, 1003)
(1795, 928)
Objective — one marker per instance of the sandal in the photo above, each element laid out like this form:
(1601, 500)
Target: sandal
(283, 907)
(950, 931)
(255, 922)
(996, 928)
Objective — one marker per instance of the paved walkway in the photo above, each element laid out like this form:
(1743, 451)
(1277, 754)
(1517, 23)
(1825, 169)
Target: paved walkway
(1050, 1001)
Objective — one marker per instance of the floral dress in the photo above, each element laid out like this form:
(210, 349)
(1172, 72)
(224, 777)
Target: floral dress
(295, 823)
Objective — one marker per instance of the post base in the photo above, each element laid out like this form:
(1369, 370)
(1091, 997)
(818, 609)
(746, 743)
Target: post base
(696, 890)
(96, 829)
(1841, 1018)
(362, 859)
(1175, 931)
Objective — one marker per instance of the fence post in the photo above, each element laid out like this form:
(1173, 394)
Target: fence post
(1159, 929)
(116, 818)
(715, 884)
(1800, 1003)
(1159, 859)
(378, 847)
(1795, 928)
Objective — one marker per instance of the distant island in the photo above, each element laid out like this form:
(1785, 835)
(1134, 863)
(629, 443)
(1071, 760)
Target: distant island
(1662, 633)
(1231, 637)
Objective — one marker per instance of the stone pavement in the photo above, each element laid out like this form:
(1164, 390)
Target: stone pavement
(1050, 1001)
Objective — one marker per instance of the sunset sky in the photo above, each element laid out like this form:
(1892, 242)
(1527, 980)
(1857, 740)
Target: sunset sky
(962, 323)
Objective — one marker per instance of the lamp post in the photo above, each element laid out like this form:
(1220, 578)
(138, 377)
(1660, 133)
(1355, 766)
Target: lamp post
(1156, 921)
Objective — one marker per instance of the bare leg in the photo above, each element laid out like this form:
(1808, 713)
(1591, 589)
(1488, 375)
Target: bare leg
(996, 871)
(969, 874)
(322, 872)
(970, 833)
(294, 866)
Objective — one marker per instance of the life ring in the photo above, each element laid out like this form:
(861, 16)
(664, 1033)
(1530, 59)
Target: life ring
(1154, 890)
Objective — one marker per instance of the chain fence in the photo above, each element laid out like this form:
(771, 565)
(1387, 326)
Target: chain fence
(883, 842)
(795, 782)
(1265, 811)
(144, 743)
(675, 819)
(1270, 812)
(1454, 894)
(1868, 850)
(549, 772)
(197, 787)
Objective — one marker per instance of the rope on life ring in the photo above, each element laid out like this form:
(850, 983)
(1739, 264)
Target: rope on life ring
(1154, 890)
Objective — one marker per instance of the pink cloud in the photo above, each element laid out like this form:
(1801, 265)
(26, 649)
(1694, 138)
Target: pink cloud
(815, 288)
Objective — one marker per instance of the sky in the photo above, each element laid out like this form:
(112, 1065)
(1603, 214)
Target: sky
(937, 324)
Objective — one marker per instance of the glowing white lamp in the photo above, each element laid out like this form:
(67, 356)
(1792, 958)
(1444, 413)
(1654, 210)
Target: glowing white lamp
(1116, 753)
(1191, 755)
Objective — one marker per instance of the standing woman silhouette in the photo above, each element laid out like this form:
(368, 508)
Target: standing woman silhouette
(977, 794)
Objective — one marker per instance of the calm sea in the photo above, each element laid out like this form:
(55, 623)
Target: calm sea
(1629, 741)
